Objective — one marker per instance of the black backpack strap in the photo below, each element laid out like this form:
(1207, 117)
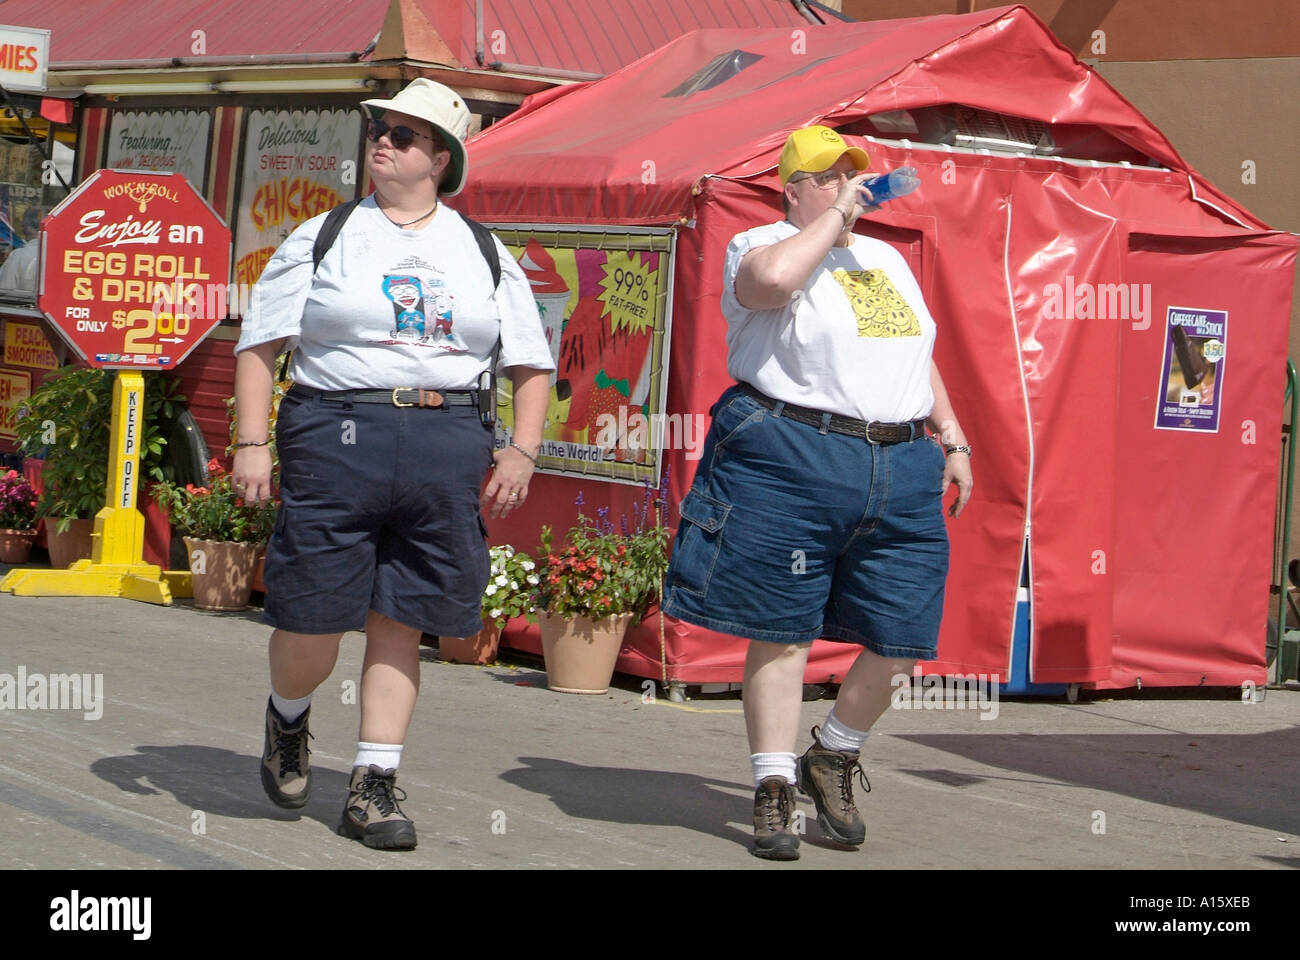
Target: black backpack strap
(487, 396)
(487, 246)
(329, 231)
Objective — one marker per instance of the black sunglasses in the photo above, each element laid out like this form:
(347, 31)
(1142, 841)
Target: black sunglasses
(401, 136)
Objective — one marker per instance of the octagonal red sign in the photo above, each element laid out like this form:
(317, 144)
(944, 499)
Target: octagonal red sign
(134, 269)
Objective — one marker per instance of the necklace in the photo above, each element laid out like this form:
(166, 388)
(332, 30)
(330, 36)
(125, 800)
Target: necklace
(409, 222)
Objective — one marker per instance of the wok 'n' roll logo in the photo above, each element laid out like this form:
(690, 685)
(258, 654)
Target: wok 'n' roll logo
(141, 192)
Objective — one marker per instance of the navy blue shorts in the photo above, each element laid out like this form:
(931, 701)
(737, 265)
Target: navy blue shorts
(789, 534)
(379, 511)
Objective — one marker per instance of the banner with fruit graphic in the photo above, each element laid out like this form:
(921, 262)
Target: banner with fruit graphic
(604, 296)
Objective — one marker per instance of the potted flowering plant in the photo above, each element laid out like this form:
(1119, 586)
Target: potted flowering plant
(222, 534)
(65, 424)
(592, 588)
(510, 592)
(17, 517)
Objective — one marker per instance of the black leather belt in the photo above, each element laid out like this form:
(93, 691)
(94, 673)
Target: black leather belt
(873, 431)
(400, 397)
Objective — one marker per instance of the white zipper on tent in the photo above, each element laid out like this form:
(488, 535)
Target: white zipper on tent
(1026, 553)
(1018, 151)
(1192, 184)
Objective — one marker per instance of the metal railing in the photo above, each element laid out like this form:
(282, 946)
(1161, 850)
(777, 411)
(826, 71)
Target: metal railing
(1282, 521)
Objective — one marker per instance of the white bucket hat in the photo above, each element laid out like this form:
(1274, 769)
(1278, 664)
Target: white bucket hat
(445, 109)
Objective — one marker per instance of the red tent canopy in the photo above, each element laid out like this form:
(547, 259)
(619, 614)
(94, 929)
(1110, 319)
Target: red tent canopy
(1023, 255)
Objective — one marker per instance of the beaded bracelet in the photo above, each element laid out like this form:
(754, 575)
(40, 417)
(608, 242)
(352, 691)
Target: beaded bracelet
(524, 452)
(956, 448)
(250, 443)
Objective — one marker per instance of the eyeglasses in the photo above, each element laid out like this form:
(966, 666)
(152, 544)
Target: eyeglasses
(831, 178)
(400, 136)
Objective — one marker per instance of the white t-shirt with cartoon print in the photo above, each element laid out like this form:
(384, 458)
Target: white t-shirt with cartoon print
(394, 308)
(855, 341)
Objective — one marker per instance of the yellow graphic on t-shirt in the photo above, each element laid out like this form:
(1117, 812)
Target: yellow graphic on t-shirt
(880, 309)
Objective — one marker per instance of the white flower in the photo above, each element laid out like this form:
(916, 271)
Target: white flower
(502, 580)
(534, 579)
(495, 612)
(514, 584)
(528, 565)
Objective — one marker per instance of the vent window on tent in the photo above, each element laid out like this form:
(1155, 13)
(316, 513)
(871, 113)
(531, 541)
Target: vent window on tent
(718, 70)
(963, 127)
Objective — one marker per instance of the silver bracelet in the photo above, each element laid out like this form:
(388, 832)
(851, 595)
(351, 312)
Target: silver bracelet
(949, 450)
(524, 452)
(845, 216)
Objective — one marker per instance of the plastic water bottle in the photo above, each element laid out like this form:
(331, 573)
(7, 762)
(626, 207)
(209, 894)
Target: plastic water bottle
(887, 186)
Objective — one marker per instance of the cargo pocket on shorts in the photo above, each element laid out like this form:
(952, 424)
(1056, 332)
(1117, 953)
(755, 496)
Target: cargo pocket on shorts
(697, 550)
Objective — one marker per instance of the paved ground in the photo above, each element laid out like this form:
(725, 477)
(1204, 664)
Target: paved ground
(502, 772)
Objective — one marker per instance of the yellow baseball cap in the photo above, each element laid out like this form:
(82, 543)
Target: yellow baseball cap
(815, 149)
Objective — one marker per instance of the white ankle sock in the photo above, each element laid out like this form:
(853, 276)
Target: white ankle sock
(386, 756)
(772, 765)
(836, 735)
(290, 710)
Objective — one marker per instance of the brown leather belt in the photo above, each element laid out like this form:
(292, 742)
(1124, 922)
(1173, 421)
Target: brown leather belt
(873, 431)
(401, 397)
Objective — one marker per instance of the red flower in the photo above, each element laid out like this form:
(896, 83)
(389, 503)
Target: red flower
(598, 576)
(622, 550)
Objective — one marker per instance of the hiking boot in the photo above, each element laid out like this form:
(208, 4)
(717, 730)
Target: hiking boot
(286, 771)
(827, 777)
(773, 808)
(371, 813)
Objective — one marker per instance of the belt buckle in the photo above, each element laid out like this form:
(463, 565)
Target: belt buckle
(867, 434)
(398, 403)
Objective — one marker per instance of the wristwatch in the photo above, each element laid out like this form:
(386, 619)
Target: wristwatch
(951, 448)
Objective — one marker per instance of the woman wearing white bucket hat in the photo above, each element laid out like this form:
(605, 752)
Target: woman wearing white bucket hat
(382, 447)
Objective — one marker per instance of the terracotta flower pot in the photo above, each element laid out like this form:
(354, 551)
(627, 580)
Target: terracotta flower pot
(16, 545)
(480, 648)
(259, 570)
(222, 573)
(580, 653)
(70, 546)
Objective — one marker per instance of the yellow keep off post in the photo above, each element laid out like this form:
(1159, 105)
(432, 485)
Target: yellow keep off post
(116, 567)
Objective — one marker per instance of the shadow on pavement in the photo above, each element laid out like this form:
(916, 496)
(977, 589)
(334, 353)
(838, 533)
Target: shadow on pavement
(220, 782)
(1244, 777)
(648, 797)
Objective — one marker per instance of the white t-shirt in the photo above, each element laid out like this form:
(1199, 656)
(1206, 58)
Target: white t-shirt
(855, 341)
(394, 308)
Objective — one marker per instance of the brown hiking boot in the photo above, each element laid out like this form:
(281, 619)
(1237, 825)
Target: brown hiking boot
(286, 771)
(827, 777)
(371, 813)
(773, 808)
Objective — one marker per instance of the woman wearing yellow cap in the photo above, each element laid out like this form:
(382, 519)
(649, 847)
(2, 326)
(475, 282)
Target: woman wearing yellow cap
(816, 507)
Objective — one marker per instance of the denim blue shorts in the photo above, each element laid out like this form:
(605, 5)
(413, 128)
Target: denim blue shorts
(789, 534)
(379, 511)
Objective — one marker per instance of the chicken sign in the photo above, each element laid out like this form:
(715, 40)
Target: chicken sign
(135, 267)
